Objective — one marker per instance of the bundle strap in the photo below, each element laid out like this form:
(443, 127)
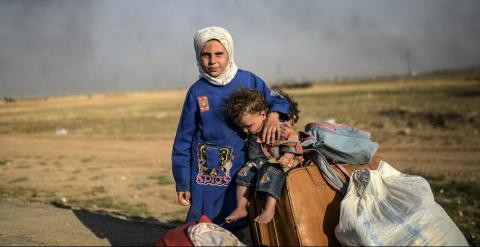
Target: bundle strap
(330, 175)
(342, 169)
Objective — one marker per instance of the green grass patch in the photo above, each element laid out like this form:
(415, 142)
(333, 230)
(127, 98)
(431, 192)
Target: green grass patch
(21, 193)
(23, 167)
(96, 190)
(94, 168)
(177, 215)
(461, 200)
(137, 209)
(141, 186)
(97, 177)
(162, 179)
(5, 162)
(105, 203)
(18, 180)
(86, 160)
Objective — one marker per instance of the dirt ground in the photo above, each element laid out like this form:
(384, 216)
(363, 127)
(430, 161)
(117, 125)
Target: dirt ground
(80, 187)
(37, 224)
(31, 223)
(25, 221)
(71, 169)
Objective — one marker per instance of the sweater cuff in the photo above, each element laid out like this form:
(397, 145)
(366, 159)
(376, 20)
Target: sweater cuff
(182, 187)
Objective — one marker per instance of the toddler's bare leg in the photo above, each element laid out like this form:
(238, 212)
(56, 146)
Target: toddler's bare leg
(241, 209)
(268, 212)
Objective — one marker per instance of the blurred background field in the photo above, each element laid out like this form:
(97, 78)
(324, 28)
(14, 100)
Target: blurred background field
(111, 152)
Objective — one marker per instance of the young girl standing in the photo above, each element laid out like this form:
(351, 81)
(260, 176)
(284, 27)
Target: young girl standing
(209, 149)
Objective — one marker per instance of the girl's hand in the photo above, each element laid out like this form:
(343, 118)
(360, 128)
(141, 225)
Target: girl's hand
(184, 198)
(271, 129)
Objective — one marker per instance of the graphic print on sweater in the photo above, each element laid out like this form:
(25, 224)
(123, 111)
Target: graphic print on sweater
(214, 164)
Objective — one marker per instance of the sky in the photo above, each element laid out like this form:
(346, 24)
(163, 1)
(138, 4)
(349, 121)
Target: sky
(68, 47)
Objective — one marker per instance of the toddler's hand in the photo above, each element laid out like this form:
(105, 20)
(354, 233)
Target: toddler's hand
(286, 161)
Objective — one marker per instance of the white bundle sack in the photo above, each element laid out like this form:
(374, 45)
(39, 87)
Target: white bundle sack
(387, 207)
(210, 234)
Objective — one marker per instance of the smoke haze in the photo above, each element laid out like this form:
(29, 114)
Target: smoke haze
(61, 47)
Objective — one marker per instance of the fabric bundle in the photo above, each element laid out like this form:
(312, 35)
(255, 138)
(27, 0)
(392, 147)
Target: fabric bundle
(388, 208)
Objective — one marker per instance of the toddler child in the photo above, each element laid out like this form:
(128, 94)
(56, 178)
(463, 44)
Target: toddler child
(267, 163)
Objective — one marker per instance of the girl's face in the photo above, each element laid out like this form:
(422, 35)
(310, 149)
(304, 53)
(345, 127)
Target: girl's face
(214, 58)
(252, 123)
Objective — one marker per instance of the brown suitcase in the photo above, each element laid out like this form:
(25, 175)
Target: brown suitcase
(307, 212)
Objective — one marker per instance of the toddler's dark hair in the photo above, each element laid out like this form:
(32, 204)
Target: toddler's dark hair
(244, 100)
(293, 111)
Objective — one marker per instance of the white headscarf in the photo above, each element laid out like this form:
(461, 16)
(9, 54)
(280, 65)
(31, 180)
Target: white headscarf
(224, 37)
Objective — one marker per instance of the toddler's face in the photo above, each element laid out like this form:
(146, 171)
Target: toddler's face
(252, 123)
(214, 58)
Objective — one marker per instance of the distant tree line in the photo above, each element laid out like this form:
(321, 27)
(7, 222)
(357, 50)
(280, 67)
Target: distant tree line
(8, 100)
(470, 74)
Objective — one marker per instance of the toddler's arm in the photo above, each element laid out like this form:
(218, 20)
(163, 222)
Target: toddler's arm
(291, 148)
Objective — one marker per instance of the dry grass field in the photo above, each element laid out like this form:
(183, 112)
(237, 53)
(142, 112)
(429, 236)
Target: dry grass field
(111, 153)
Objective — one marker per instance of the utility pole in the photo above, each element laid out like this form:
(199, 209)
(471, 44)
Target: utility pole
(409, 65)
(410, 71)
